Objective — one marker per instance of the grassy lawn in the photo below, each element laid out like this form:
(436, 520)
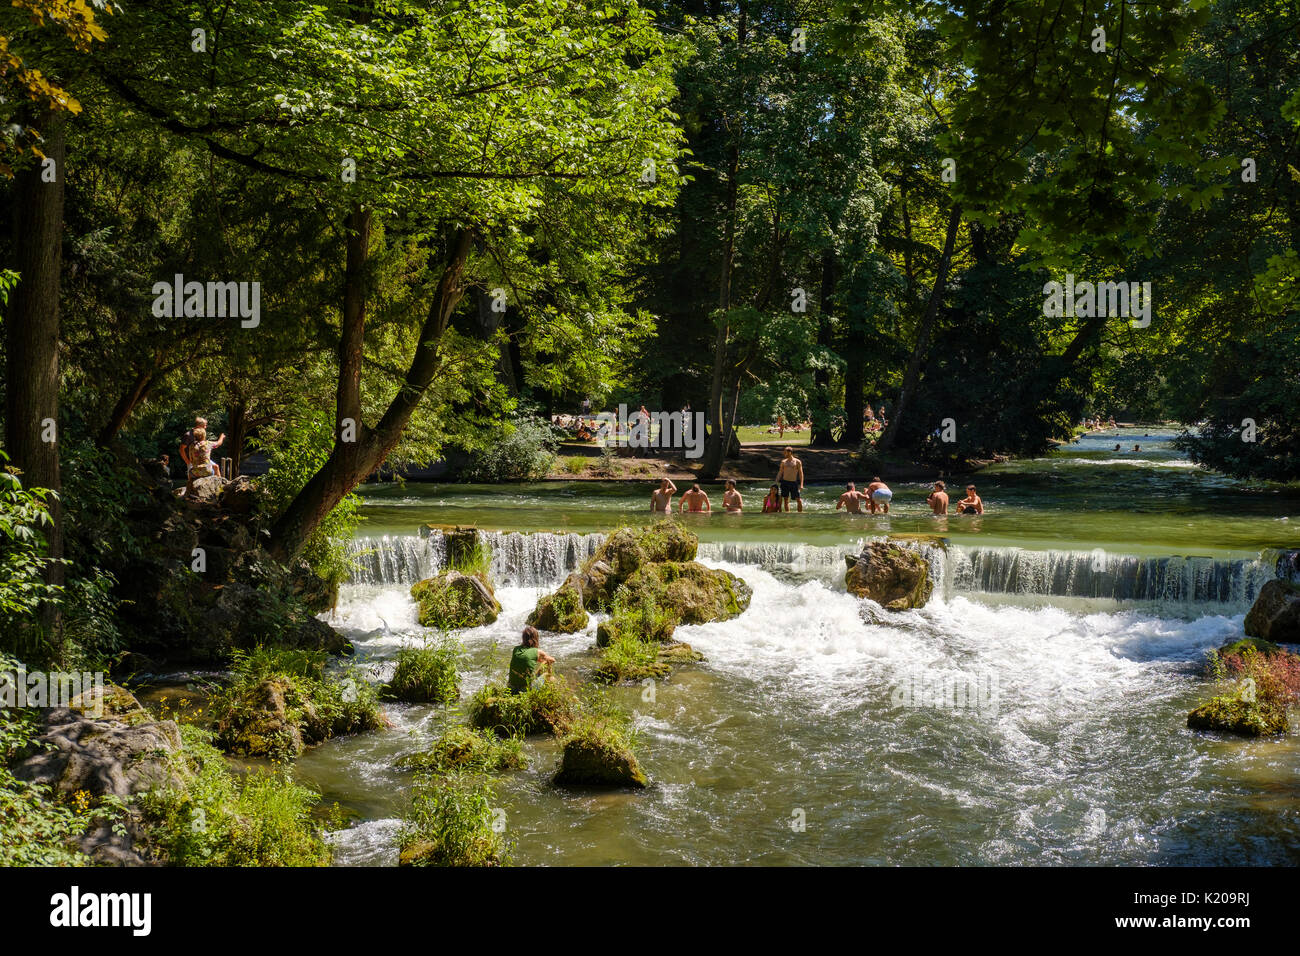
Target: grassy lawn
(758, 433)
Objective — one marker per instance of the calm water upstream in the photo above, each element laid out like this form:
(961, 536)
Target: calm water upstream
(1080, 608)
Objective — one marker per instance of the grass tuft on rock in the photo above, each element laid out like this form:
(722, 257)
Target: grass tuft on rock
(427, 673)
(548, 707)
(452, 821)
(468, 749)
(599, 749)
(1265, 688)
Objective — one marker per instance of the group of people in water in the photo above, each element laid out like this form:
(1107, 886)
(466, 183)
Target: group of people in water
(876, 499)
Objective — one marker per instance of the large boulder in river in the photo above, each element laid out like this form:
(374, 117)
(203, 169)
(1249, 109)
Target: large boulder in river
(1275, 615)
(452, 600)
(561, 611)
(597, 757)
(895, 577)
(628, 548)
(697, 595)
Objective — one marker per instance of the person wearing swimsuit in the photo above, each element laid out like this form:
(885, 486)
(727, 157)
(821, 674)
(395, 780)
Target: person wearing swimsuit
(789, 475)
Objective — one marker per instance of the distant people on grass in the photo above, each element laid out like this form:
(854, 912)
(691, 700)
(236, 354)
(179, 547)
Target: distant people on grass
(731, 500)
(695, 501)
(527, 660)
(851, 500)
(972, 504)
(880, 495)
(938, 499)
(789, 475)
(661, 499)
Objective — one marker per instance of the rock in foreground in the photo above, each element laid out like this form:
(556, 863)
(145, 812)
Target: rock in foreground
(1275, 615)
(895, 577)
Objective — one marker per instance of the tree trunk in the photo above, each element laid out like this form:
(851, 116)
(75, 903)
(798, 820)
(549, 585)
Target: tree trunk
(32, 339)
(127, 404)
(824, 409)
(913, 374)
(351, 462)
(719, 438)
(237, 419)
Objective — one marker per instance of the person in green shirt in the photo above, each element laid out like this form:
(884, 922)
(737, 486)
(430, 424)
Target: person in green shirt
(525, 659)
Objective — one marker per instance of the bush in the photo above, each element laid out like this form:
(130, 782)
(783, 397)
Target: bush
(467, 749)
(576, 464)
(214, 820)
(427, 674)
(24, 516)
(546, 707)
(526, 452)
(318, 705)
(451, 822)
(34, 829)
(1267, 687)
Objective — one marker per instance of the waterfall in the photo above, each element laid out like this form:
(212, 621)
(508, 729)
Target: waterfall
(395, 559)
(1099, 574)
(542, 559)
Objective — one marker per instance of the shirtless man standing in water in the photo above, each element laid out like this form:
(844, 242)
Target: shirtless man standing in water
(851, 500)
(731, 500)
(789, 475)
(661, 499)
(938, 499)
(695, 500)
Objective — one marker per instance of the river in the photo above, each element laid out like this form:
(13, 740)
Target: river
(1072, 619)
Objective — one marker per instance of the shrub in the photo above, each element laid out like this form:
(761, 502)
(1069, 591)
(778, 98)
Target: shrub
(213, 820)
(427, 674)
(34, 829)
(1267, 687)
(526, 452)
(546, 707)
(24, 516)
(467, 749)
(451, 822)
(576, 464)
(318, 705)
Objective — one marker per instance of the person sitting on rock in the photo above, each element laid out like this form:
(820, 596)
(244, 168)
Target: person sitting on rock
(200, 456)
(526, 659)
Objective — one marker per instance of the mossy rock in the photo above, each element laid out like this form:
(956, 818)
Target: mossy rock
(452, 600)
(670, 656)
(261, 725)
(115, 703)
(627, 549)
(610, 629)
(463, 748)
(545, 708)
(1233, 715)
(1259, 645)
(698, 595)
(593, 759)
(895, 577)
(561, 611)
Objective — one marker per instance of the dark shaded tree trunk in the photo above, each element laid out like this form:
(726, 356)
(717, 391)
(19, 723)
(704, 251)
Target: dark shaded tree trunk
(32, 338)
(352, 461)
(126, 405)
(824, 411)
(912, 376)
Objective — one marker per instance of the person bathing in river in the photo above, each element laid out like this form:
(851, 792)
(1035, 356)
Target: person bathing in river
(695, 501)
(938, 500)
(789, 475)
(661, 499)
(526, 660)
(880, 495)
(772, 503)
(972, 504)
(731, 500)
(851, 500)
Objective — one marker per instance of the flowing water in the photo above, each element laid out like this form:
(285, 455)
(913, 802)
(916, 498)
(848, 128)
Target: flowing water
(1033, 712)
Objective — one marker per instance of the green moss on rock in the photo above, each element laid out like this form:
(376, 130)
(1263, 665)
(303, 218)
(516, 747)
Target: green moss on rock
(561, 611)
(451, 600)
(1234, 715)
